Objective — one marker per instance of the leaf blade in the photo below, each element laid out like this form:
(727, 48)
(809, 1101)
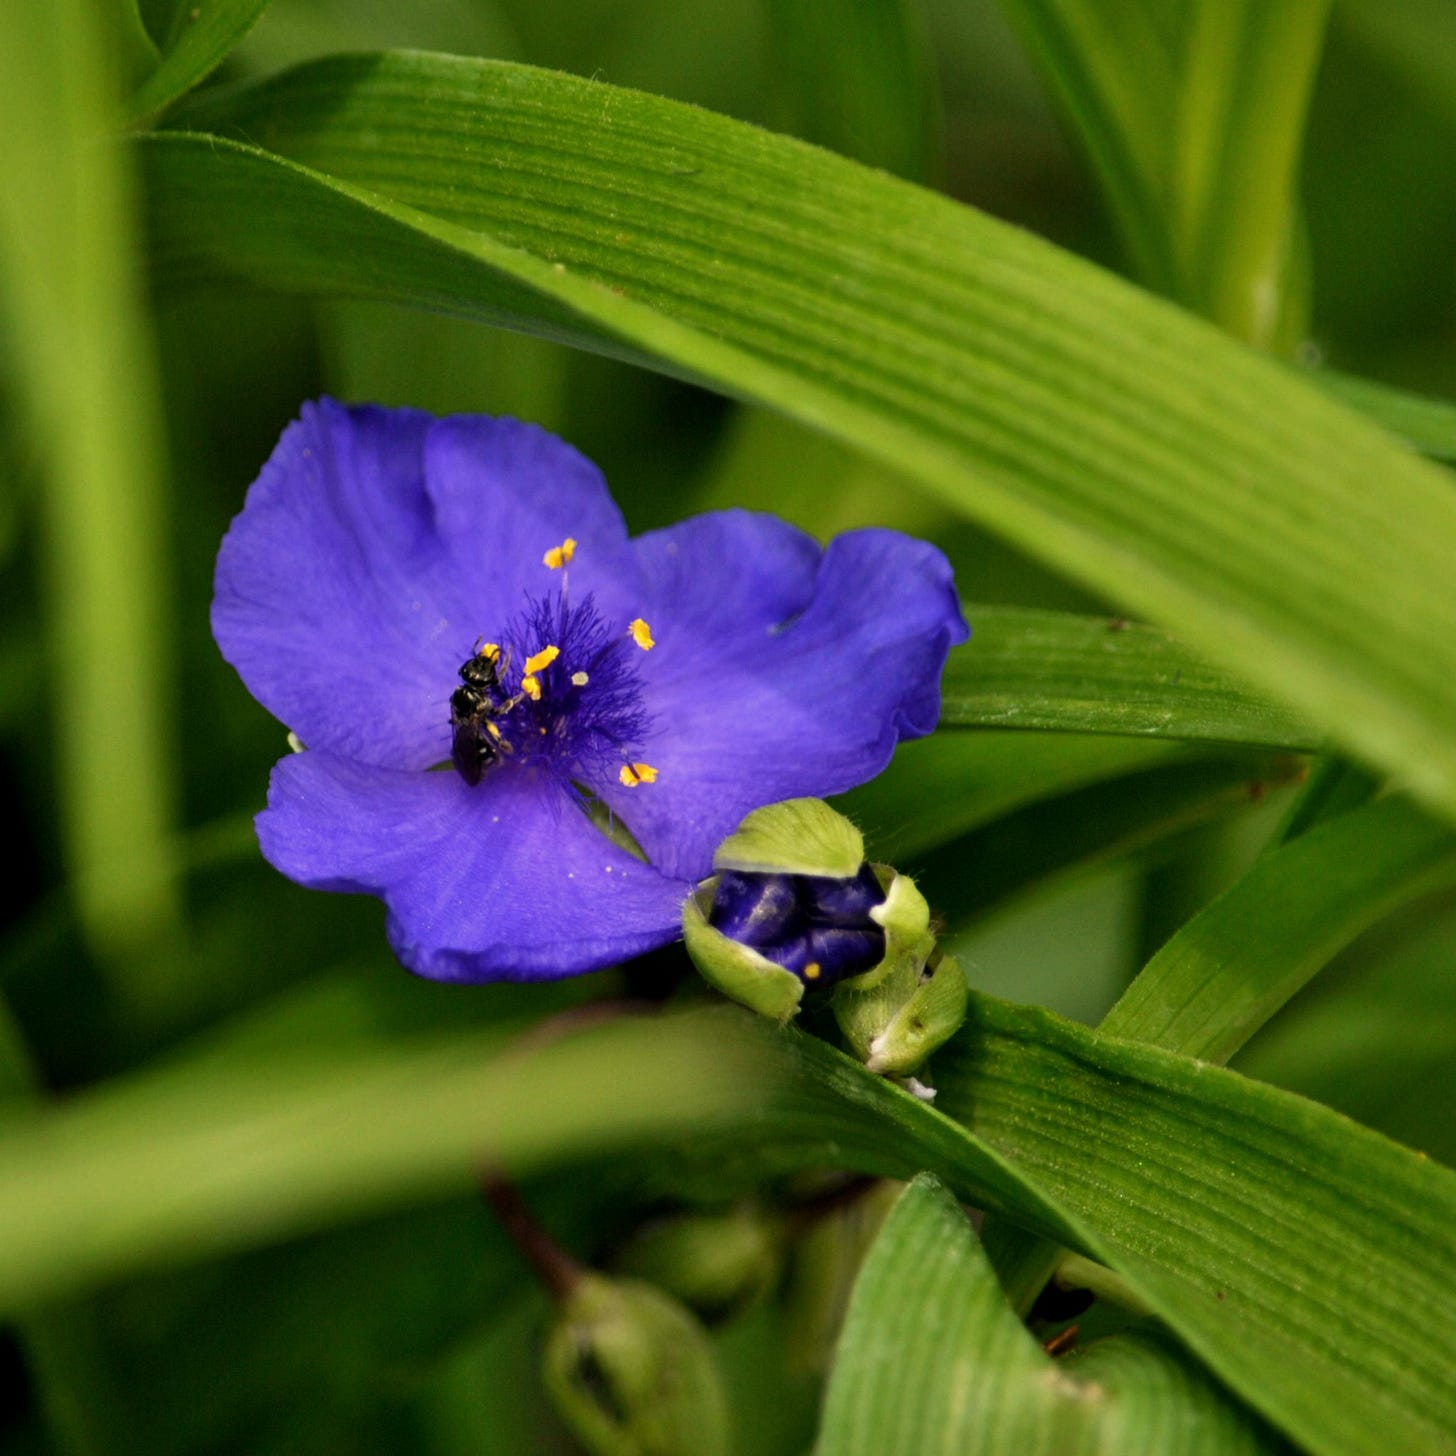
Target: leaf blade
(1054, 670)
(204, 33)
(1227, 971)
(932, 1359)
(1112, 436)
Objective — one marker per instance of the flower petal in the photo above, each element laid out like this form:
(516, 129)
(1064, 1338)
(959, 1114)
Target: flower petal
(505, 494)
(378, 545)
(780, 676)
(507, 880)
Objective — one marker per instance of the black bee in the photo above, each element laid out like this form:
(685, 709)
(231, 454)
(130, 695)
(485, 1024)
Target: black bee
(476, 742)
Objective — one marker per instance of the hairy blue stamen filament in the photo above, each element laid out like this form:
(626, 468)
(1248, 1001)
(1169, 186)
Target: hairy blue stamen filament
(569, 700)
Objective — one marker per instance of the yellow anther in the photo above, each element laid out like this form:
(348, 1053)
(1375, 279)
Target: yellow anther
(544, 658)
(641, 634)
(531, 686)
(579, 679)
(558, 556)
(812, 971)
(632, 774)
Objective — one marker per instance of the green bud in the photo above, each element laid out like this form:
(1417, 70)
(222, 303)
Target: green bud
(793, 903)
(632, 1373)
(716, 1262)
(797, 837)
(737, 970)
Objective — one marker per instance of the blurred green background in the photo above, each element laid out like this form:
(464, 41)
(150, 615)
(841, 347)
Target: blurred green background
(120, 721)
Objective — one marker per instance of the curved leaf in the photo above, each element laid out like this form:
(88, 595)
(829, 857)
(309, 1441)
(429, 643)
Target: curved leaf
(1253, 1223)
(1109, 434)
(1236, 963)
(932, 1360)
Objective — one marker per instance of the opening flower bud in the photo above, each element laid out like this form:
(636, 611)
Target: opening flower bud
(818, 928)
(792, 905)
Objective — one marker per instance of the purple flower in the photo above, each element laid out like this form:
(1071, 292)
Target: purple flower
(450, 616)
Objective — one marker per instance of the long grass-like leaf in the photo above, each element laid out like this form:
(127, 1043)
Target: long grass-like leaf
(1030, 669)
(1107, 433)
(933, 1362)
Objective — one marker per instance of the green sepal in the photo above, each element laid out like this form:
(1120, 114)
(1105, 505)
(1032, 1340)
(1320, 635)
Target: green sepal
(897, 1013)
(738, 971)
(632, 1373)
(927, 1020)
(795, 837)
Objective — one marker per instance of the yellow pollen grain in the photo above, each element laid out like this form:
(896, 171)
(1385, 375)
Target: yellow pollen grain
(641, 634)
(579, 679)
(490, 651)
(493, 731)
(812, 971)
(544, 658)
(531, 686)
(632, 774)
(558, 556)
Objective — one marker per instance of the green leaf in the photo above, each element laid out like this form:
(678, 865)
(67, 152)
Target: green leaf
(1032, 669)
(1238, 961)
(1193, 118)
(202, 34)
(1426, 425)
(1112, 67)
(1252, 1222)
(932, 1360)
(1109, 434)
(862, 82)
(941, 787)
(236, 1150)
(1248, 68)
(1220, 1202)
(86, 389)
(1144, 815)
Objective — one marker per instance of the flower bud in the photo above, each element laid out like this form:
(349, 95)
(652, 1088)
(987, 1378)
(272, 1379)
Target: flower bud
(793, 904)
(632, 1373)
(716, 1262)
(763, 935)
(735, 969)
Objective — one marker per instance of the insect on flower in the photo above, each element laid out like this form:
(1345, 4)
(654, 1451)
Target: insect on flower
(527, 660)
(476, 708)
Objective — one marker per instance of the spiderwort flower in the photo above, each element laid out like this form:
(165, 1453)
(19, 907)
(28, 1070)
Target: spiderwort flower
(450, 618)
